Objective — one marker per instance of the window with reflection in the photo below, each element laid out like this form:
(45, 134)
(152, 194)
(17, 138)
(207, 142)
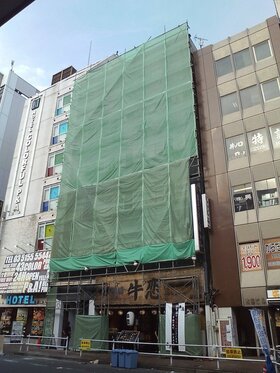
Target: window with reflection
(223, 66)
(242, 59)
(275, 136)
(229, 103)
(258, 141)
(236, 147)
(270, 89)
(267, 192)
(262, 50)
(243, 197)
(250, 96)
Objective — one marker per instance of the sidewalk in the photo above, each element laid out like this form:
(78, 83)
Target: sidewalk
(145, 362)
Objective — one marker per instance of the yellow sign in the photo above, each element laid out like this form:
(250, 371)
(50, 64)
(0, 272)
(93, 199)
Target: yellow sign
(234, 353)
(85, 344)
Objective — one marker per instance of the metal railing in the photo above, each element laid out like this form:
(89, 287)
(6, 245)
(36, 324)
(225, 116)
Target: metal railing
(59, 343)
(11, 339)
(215, 352)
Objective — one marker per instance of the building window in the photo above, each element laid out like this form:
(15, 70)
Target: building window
(267, 192)
(45, 236)
(50, 198)
(250, 97)
(262, 50)
(242, 59)
(270, 89)
(35, 103)
(55, 163)
(236, 147)
(229, 103)
(243, 198)
(63, 104)
(59, 132)
(223, 66)
(258, 141)
(275, 136)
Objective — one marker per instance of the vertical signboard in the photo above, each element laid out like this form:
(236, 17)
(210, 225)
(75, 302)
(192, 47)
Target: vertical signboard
(260, 327)
(25, 160)
(181, 327)
(168, 325)
(195, 218)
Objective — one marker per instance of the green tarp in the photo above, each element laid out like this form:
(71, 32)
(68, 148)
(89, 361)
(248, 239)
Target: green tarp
(91, 327)
(125, 190)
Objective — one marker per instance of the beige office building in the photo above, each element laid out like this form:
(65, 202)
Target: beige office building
(239, 109)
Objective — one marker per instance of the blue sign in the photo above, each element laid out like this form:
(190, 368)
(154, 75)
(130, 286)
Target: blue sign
(20, 299)
(258, 320)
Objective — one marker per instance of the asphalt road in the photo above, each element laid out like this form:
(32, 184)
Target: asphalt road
(33, 364)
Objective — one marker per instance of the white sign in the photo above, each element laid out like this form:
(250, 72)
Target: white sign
(275, 135)
(250, 257)
(25, 273)
(236, 147)
(24, 164)
(258, 141)
(206, 211)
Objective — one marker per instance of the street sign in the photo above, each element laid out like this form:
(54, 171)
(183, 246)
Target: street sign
(85, 344)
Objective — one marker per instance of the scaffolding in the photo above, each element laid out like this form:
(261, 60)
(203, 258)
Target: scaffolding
(125, 190)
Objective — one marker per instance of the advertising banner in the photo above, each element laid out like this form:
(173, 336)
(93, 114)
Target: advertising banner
(168, 325)
(272, 253)
(25, 273)
(250, 257)
(181, 327)
(259, 323)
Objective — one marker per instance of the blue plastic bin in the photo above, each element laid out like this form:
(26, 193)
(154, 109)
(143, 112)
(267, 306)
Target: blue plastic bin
(131, 357)
(122, 354)
(115, 358)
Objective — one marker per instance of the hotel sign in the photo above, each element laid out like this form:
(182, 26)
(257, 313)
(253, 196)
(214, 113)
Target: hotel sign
(20, 299)
(25, 273)
(24, 164)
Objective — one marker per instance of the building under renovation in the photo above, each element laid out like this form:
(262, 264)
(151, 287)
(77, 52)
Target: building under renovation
(124, 251)
(127, 237)
(121, 206)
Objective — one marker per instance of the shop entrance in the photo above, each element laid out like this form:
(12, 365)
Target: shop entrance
(142, 320)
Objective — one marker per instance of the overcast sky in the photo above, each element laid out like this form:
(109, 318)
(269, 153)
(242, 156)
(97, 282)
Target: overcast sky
(50, 35)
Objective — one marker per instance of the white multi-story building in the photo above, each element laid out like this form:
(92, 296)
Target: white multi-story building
(29, 209)
(13, 95)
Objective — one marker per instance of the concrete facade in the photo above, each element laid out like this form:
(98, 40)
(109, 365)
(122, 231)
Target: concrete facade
(239, 107)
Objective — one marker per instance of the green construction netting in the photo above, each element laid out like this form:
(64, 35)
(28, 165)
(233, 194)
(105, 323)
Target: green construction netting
(125, 190)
